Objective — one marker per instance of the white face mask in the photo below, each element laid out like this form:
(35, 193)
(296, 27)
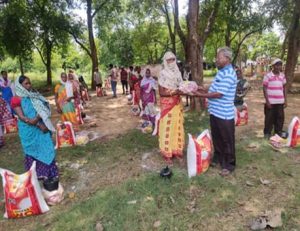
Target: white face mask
(172, 65)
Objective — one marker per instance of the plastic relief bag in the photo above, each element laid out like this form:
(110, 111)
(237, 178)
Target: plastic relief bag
(188, 87)
(53, 197)
(147, 127)
(82, 139)
(199, 153)
(135, 110)
(11, 125)
(23, 196)
(241, 117)
(293, 139)
(65, 136)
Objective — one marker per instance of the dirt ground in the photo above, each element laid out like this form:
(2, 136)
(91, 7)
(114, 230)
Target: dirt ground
(106, 111)
(112, 115)
(113, 118)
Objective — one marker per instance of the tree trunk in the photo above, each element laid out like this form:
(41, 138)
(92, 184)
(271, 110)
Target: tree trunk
(48, 65)
(293, 45)
(195, 59)
(179, 31)
(93, 49)
(227, 37)
(21, 66)
(171, 33)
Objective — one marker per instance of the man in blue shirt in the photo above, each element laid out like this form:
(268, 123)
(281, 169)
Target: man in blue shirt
(220, 96)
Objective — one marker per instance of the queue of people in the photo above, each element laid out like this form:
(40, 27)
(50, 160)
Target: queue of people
(226, 92)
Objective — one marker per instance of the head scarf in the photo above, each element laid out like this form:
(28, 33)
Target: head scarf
(40, 104)
(150, 81)
(62, 82)
(170, 76)
(5, 83)
(75, 81)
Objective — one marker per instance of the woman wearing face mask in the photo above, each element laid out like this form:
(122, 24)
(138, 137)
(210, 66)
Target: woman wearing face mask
(35, 129)
(63, 99)
(171, 132)
(148, 87)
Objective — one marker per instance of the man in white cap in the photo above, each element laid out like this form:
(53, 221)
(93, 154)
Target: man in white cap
(275, 95)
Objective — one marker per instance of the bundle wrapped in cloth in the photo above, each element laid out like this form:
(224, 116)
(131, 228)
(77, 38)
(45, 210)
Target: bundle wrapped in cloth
(188, 87)
(241, 115)
(53, 197)
(277, 142)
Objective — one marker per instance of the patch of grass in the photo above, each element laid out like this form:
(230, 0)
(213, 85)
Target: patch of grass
(206, 202)
(193, 204)
(136, 205)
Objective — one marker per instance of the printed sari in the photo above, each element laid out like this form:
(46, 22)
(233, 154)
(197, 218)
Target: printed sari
(5, 114)
(148, 100)
(171, 132)
(6, 87)
(68, 109)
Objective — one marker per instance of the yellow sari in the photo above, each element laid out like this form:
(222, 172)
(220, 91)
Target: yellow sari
(171, 131)
(68, 109)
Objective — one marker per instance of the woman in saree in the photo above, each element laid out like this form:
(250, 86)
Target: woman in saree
(171, 132)
(148, 87)
(72, 78)
(63, 99)
(5, 114)
(7, 88)
(35, 129)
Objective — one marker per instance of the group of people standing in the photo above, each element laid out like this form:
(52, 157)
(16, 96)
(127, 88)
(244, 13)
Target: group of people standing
(222, 99)
(35, 127)
(68, 98)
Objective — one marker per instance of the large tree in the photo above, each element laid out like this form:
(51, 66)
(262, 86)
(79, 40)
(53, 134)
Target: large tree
(293, 38)
(51, 26)
(239, 19)
(17, 34)
(200, 22)
(93, 10)
(287, 14)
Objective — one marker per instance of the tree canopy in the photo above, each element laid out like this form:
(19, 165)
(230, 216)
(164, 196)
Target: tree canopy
(126, 32)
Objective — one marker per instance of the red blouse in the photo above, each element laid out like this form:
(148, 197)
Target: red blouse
(15, 101)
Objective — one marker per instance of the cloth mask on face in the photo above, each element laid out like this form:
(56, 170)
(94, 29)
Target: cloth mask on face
(172, 66)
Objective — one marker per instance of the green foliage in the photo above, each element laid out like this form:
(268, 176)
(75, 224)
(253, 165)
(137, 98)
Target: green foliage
(266, 44)
(16, 30)
(10, 64)
(130, 31)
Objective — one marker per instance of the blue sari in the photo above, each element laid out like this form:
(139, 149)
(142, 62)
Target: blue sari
(35, 143)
